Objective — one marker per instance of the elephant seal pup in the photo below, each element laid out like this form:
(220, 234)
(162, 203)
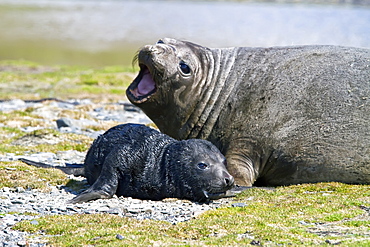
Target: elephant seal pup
(281, 116)
(136, 161)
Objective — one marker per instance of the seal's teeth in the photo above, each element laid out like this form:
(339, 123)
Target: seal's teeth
(205, 194)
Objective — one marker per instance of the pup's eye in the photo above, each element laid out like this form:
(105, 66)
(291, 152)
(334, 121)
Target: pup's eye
(184, 68)
(202, 166)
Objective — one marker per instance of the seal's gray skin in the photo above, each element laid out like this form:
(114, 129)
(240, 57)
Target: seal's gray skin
(282, 115)
(136, 161)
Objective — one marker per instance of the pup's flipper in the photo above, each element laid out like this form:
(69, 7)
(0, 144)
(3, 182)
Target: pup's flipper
(73, 169)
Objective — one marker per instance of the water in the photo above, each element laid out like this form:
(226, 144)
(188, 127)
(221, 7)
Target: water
(110, 32)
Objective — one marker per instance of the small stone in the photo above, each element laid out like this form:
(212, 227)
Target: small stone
(6, 189)
(119, 236)
(114, 211)
(134, 210)
(22, 243)
(245, 235)
(17, 202)
(302, 222)
(99, 109)
(333, 242)
(90, 211)
(20, 189)
(103, 209)
(148, 210)
(34, 222)
(254, 242)
(239, 204)
(64, 122)
(70, 209)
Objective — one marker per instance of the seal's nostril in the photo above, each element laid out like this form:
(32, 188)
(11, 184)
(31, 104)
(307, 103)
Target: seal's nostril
(228, 179)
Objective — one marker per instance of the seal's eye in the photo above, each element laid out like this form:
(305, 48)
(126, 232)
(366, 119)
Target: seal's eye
(184, 67)
(160, 42)
(202, 166)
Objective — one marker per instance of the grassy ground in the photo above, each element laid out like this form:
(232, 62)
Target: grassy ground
(28, 80)
(303, 215)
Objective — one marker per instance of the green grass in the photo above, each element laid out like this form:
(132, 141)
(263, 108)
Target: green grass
(64, 141)
(26, 80)
(17, 174)
(270, 217)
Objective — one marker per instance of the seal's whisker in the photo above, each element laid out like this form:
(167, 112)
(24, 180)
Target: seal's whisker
(135, 59)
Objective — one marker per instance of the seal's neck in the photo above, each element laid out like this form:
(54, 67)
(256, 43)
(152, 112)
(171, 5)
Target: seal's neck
(215, 93)
(171, 174)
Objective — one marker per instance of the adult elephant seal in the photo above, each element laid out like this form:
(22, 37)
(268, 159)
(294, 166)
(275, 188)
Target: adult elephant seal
(137, 161)
(281, 116)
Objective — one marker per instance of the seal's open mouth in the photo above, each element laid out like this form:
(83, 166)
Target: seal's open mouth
(143, 87)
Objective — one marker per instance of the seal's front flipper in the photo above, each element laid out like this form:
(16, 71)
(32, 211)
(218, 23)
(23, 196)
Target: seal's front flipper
(101, 189)
(89, 196)
(104, 187)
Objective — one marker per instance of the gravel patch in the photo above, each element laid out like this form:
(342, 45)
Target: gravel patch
(15, 202)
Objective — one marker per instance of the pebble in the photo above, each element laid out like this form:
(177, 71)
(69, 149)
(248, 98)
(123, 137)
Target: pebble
(333, 242)
(64, 122)
(239, 204)
(119, 236)
(14, 202)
